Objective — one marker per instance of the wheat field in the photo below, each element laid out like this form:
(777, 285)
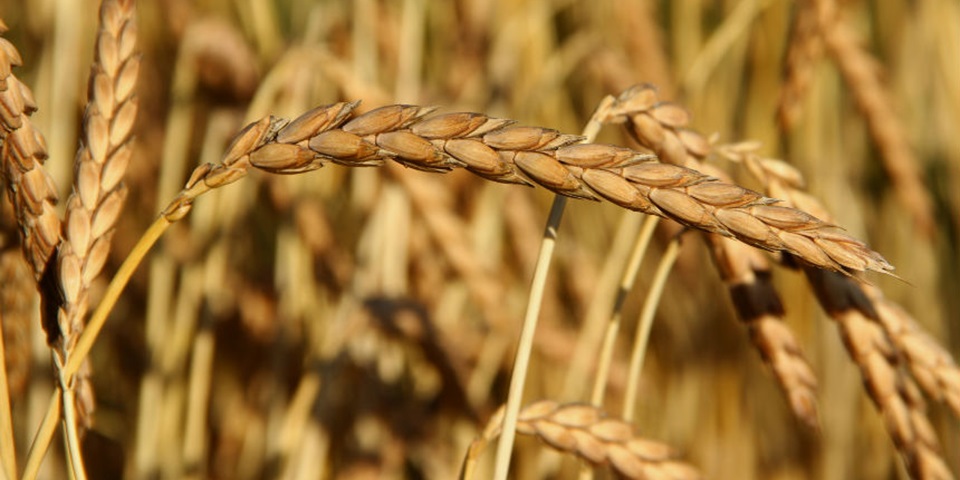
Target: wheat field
(429, 239)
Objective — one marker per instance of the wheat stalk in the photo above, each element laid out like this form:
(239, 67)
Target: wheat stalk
(589, 433)
(876, 333)
(661, 127)
(862, 74)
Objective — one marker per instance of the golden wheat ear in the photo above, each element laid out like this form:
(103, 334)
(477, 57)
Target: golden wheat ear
(588, 433)
(491, 149)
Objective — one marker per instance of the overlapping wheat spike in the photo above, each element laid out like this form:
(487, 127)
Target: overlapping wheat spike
(98, 193)
(877, 333)
(30, 188)
(662, 127)
(589, 433)
(493, 149)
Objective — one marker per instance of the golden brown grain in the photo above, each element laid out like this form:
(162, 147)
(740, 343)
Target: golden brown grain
(541, 156)
(589, 433)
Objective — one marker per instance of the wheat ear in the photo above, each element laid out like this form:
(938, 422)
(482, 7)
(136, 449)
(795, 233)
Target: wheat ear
(877, 336)
(492, 149)
(98, 195)
(931, 365)
(30, 188)
(661, 127)
(589, 433)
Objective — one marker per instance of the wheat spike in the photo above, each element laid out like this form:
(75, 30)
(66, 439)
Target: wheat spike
(877, 335)
(661, 127)
(98, 194)
(493, 149)
(29, 186)
(589, 433)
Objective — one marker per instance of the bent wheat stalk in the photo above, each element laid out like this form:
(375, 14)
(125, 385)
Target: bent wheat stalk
(589, 433)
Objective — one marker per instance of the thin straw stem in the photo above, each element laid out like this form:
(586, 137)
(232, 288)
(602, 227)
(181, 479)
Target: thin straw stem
(525, 348)
(613, 326)
(112, 294)
(8, 453)
(41, 442)
(71, 436)
(534, 302)
(646, 322)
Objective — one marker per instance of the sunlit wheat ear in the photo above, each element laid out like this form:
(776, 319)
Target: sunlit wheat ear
(30, 188)
(589, 433)
(662, 127)
(875, 336)
(494, 150)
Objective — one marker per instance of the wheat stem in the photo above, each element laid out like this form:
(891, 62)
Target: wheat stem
(8, 453)
(525, 348)
(627, 281)
(112, 293)
(646, 322)
(71, 437)
(41, 441)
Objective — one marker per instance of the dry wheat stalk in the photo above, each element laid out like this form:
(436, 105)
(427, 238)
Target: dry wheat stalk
(803, 53)
(661, 127)
(876, 335)
(29, 186)
(589, 433)
(493, 149)
(862, 74)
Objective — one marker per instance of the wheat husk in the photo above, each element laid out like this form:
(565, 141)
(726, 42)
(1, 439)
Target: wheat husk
(529, 155)
(589, 433)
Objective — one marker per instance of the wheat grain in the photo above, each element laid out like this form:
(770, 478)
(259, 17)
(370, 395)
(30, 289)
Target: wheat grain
(491, 149)
(589, 433)
(661, 127)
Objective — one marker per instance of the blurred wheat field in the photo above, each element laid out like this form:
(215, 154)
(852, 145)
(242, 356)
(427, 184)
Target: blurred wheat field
(359, 323)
